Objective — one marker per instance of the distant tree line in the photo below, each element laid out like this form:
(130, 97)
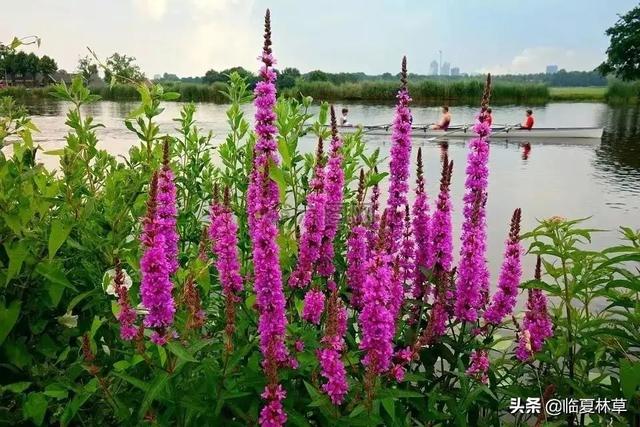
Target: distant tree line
(22, 67)
(287, 77)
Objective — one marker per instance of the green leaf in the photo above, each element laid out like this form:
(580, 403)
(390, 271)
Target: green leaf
(35, 408)
(59, 233)
(629, 378)
(132, 380)
(8, 318)
(57, 391)
(180, 351)
(56, 278)
(17, 387)
(397, 393)
(390, 407)
(155, 388)
(17, 252)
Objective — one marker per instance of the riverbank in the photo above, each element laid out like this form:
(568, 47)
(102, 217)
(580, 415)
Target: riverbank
(426, 92)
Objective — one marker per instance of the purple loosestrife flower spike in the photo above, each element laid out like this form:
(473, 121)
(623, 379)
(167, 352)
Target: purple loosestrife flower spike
(262, 204)
(400, 159)
(313, 306)
(156, 286)
(420, 231)
(537, 325)
(127, 315)
(332, 367)
(167, 210)
(472, 284)
(504, 300)
(441, 244)
(479, 366)
(223, 233)
(334, 189)
(376, 319)
(314, 226)
(357, 251)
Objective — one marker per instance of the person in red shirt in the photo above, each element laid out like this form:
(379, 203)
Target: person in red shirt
(488, 117)
(528, 121)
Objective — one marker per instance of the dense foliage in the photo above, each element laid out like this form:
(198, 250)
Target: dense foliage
(624, 49)
(237, 282)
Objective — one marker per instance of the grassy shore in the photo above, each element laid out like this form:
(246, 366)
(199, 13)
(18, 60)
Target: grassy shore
(461, 92)
(458, 92)
(573, 93)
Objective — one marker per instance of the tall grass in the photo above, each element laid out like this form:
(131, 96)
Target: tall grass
(462, 91)
(623, 92)
(195, 92)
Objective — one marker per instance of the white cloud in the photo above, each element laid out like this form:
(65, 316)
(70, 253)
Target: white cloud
(154, 9)
(222, 35)
(535, 60)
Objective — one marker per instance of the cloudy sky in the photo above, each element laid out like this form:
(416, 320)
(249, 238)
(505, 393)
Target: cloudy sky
(187, 37)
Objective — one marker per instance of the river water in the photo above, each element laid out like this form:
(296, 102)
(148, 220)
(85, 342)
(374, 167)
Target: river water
(573, 179)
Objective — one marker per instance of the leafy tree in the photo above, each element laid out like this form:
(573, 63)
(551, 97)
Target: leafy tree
(287, 78)
(316, 76)
(47, 66)
(123, 69)
(623, 54)
(212, 76)
(87, 68)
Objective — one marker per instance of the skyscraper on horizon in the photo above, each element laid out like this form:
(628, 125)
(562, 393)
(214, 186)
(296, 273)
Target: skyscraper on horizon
(552, 69)
(445, 69)
(455, 71)
(433, 68)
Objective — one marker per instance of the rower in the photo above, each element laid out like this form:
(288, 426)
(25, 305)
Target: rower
(488, 117)
(445, 120)
(343, 119)
(528, 121)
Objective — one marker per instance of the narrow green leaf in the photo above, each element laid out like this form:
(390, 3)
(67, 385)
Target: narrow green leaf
(8, 318)
(59, 233)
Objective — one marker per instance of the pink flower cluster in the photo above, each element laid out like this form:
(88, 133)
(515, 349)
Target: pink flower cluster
(155, 267)
(334, 189)
(479, 366)
(421, 234)
(400, 159)
(504, 300)
(537, 325)
(262, 204)
(313, 226)
(472, 284)
(332, 368)
(313, 306)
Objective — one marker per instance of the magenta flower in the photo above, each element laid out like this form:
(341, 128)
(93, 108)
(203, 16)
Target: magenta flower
(472, 284)
(407, 257)
(127, 315)
(356, 262)
(420, 224)
(313, 306)
(334, 189)
(273, 414)
(313, 226)
(376, 319)
(479, 366)
(504, 300)
(441, 244)
(400, 159)
(262, 205)
(156, 287)
(223, 234)
(167, 211)
(332, 368)
(537, 325)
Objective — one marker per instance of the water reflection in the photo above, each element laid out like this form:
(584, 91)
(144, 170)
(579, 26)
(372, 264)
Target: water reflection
(619, 154)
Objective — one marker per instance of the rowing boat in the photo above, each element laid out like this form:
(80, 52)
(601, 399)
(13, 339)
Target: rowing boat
(504, 132)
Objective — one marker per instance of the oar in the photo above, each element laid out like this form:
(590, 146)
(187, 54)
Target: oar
(463, 128)
(506, 128)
